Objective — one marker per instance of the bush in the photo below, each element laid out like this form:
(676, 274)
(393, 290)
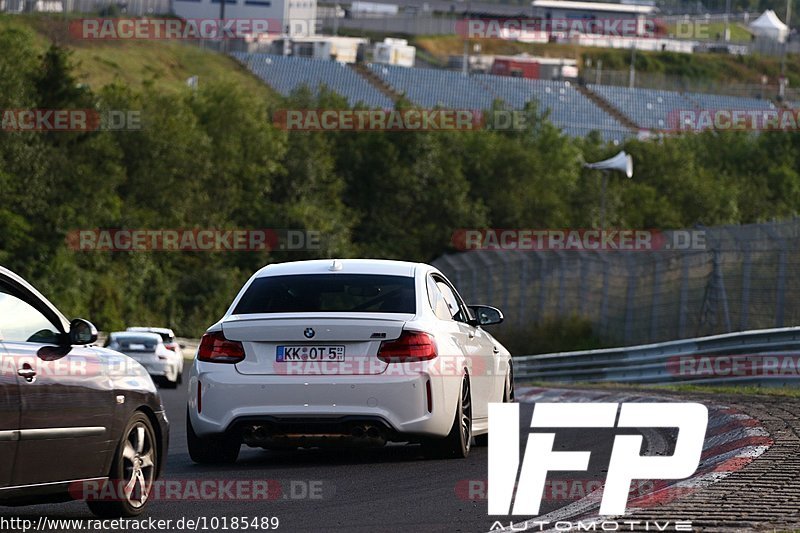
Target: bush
(555, 334)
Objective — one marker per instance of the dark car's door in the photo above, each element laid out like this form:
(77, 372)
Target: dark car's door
(67, 403)
(9, 415)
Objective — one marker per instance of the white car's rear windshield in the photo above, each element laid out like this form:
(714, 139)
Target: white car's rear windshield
(135, 342)
(368, 293)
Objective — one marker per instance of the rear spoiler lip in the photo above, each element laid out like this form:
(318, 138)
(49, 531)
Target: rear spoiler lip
(388, 317)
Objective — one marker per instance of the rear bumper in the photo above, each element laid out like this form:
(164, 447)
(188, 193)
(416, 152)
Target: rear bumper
(156, 367)
(231, 401)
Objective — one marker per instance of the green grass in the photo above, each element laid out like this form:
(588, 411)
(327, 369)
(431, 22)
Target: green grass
(164, 64)
(751, 390)
(789, 392)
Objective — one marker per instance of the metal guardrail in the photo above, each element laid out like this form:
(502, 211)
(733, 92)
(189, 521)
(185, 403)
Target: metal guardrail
(766, 357)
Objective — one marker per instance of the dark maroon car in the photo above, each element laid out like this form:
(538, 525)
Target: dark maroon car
(76, 421)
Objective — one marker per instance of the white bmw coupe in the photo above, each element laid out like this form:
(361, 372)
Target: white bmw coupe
(346, 353)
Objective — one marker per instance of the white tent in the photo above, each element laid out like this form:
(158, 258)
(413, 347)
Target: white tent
(768, 25)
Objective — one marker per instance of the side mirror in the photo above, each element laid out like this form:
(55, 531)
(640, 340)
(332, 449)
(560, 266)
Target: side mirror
(82, 332)
(486, 315)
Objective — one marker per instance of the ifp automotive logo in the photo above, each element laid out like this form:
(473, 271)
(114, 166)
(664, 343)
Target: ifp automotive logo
(625, 465)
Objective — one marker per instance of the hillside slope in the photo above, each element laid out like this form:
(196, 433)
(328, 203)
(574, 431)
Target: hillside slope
(136, 63)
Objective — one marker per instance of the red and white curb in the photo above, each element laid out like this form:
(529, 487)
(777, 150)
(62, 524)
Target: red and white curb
(733, 440)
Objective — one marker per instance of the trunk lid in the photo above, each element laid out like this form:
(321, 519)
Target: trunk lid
(320, 344)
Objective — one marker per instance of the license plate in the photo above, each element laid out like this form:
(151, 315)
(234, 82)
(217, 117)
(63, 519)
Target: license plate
(309, 353)
(138, 347)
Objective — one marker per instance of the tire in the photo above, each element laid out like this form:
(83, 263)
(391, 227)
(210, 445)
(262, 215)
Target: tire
(179, 379)
(222, 449)
(458, 442)
(508, 397)
(133, 471)
(167, 384)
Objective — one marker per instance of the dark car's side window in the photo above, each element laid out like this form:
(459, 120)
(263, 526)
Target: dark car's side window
(21, 322)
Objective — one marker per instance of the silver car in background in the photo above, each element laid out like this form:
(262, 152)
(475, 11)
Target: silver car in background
(165, 366)
(167, 335)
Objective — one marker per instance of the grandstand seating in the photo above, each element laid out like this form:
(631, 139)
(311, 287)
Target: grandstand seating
(429, 87)
(717, 101)
(649, 108)
(287, 73)
(567, 108)
(658, 110)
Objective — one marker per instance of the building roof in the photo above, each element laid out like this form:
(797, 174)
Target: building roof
(524, 58)
(595, 6)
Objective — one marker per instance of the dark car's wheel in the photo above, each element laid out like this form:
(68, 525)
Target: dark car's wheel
(132, 472)
(508, 397)
(458, 441)
(210, 450)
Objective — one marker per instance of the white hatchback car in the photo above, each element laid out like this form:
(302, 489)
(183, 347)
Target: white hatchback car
(350, 352)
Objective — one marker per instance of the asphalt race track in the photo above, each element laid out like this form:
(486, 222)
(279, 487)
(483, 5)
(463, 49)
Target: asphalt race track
(397, 489)
(386, 489)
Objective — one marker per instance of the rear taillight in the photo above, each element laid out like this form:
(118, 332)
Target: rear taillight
(409, 347)
(170, 347)
(215, 348)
